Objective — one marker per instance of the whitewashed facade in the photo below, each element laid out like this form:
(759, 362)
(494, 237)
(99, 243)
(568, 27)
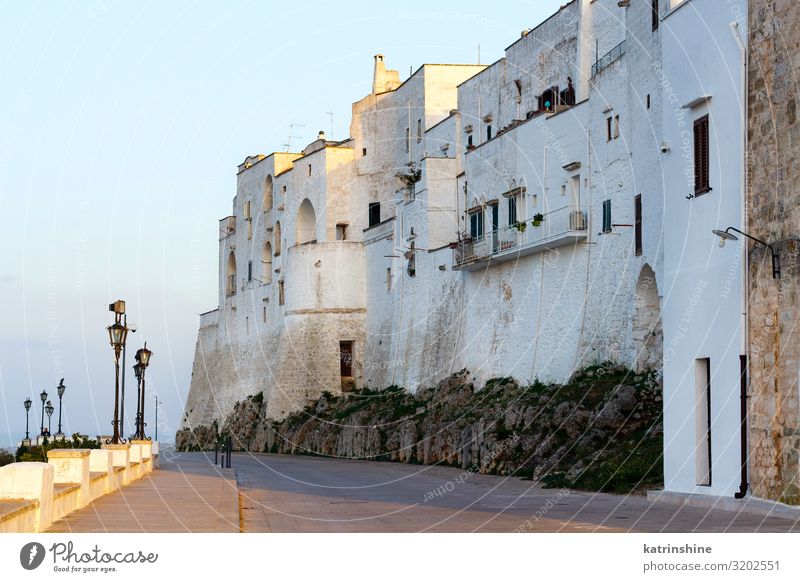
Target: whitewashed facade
(412, 261)
(703, 75)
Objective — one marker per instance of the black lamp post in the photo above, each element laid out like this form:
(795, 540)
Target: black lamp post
(28, 402)
(49, 409)
(43, 396)
(61, 389)
(142, 361)
(155, 397)
(117, 333)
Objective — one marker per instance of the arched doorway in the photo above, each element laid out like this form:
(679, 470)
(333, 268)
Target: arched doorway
(306, 223)
(648, 340)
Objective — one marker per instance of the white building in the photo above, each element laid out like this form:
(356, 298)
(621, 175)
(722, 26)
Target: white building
(704, 91)
(399, 255)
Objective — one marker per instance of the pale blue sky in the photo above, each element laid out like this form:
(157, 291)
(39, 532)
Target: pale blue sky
(121, 126)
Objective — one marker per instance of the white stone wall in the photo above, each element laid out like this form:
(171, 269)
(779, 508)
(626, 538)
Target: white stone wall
(540, 315)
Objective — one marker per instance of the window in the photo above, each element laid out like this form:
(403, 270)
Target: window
(264, 310)
(701, 182)
(488, 132)
(608, 128)
(248, 217)
(476, 224)
(469, 142)
(341, 232)
(388, 278)
(637, 224)
(249, 270)
(374, 213)
(512, 210)
(281, 293)
(655, 14)
(702, 417)
(648, 100)
(346, 359)
(363, 152)
(607, 216)
(419, 130)
(266, 201)
(266, 263)
(277, 238)
(231, 272)
(408, 139)
(309, 169)
(616, 126)
(411, 267)
(575, 191)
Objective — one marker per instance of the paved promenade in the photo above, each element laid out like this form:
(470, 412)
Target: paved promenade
(281, 493)
(187, 494)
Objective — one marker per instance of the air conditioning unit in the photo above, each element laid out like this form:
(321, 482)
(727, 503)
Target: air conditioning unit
(577, 220)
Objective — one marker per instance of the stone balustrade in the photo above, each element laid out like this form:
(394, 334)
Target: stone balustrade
(34, 495)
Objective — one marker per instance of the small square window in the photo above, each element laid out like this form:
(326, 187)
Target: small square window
(363, 152)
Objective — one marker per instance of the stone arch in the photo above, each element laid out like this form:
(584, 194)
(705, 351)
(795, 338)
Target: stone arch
(230, 280)
(277, 238)
(266, 203)
(648, 340)
(306, 223)
(266, 263)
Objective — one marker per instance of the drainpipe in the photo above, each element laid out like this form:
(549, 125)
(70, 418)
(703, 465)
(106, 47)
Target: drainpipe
(745, 342)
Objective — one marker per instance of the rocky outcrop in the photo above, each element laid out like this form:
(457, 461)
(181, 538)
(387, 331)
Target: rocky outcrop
(600, 431)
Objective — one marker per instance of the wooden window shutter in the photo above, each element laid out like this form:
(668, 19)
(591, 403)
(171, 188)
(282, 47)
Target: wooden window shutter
(637, 203)
(607, 216)
(701, 156)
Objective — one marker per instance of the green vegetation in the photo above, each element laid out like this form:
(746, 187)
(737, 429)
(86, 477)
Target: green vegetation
(37, 453)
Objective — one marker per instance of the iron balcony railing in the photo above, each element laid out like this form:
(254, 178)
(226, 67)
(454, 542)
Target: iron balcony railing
(608, 58)
(554, 225)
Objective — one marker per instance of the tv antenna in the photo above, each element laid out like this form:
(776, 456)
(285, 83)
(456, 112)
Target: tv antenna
(288, 143)
(330, 114)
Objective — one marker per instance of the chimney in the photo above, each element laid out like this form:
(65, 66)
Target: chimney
(383, 80)
(321, 135)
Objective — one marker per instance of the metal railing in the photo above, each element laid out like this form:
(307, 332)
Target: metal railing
(561, 221)
(608, 58)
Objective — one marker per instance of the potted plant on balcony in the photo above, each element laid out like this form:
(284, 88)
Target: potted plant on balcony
(537, 219)
(521, 226)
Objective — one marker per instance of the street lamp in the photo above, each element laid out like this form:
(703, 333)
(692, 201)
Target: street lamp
(43, 396)
(49, 409)
(142, 361)
(726, 235)
(118, 308)
(137, 370)
(28, 402)
(117, 334)
(61, 389)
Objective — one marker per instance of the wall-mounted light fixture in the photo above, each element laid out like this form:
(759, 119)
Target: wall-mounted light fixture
(725, 235)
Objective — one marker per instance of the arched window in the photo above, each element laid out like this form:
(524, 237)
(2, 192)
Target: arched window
(277, 238)
(266, 203)
(231, 279)
(266, 263)
(306, 223)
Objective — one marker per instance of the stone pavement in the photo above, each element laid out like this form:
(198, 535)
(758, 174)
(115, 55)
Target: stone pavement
(283, 493)
(187, 494)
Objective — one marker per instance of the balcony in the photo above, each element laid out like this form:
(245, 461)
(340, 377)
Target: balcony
(227, 227)
(608, 58)
(561, 227)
